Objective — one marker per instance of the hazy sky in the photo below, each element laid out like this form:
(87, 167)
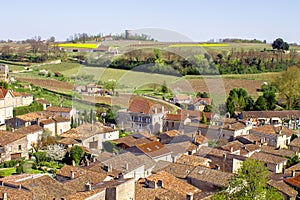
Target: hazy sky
(198, 20)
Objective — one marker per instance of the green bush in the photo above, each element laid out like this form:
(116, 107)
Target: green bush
(19, 169)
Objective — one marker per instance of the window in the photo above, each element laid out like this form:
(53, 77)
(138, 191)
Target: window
(173, 124)
(20, 147)
(140, 126)
(167, 123)
(10, 149)
(132, 118)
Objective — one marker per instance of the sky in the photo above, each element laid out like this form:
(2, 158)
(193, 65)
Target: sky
(197, 20)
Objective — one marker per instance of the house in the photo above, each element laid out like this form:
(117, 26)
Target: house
(200, 103)
(169, 182)
(278, 152)
(127, 164)
(61, 111)
(33, 134)
(4, 72)
(130, 141)
(155, 150)
(259, 118)
(41, 186)
(22, 99)
(182, 99)
(286, 191)
(193, 160)
(180, 148)
(6, 105)
(208, 179)
(275, 164)
(175, 121)
(92, 136)
(234, 129)
(167, 136)
(56, 125)
(142, 115)
(276, 136)
(13, 146)
(295, 145)
(45, 104)
(28, 119)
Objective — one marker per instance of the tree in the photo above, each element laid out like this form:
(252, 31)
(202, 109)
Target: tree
(76, 153)
(260, 104)
(279, 44)
(249, 183)
(288, 85)
(164, 88)
(55, 152)
(3, 84)
(203, 118)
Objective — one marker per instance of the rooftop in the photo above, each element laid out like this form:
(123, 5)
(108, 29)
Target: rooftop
(9, 137)
(271, 114)
(271, 129)
(154, 149)
(295, 142)
(29, 129)
(59, 109)
(283, 187)
(87, 130)
(192, 160)
(172, 183)
(267, 158)
(212, 176)
(179, 170)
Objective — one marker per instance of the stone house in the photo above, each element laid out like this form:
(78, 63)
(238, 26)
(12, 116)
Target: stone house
(56, 125)
(13, 146)
(127, 164)
(208, 179)
(142, 115)
(33, 134)
(276, 136)
(61, 111)
(275, 164)
(92, 136)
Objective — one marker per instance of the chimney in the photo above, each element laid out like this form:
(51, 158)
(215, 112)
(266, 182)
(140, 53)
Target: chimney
(126, 166)
(88, 187)
(218, 167)
(20, 186)
(224, 156)
(94, 159)
(231, 149)
(12, 130)
(163, 109)
(72, 175)
(4, 196)
(293, 173)
(155, 110)
(87, 163)
(189, 196)
(73, 163)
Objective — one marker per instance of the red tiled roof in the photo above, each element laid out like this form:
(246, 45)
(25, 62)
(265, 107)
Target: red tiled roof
(271, 114)
(154, 149)
(271, 129)
(294, 181)
(42, 101)
(174, 117)
(58, 109)
(29, 129)
(3, 93)
(139, 105)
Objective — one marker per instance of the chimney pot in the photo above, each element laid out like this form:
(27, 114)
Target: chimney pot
(126, 166)
(4, 196)
(72, 175)
(88, 187)
(293, 173)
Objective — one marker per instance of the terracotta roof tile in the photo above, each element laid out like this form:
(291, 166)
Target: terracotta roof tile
(295, 142)
(277, 152)
(29, 129)
(294, 181)
(67, 141)
(172, 183)
(42, 101)
(267, 158)
(212, 176)
(59, 109)
(271, 114)
(193, 160)
(35, 115)
(9, 137)
(271, 129)
(283, 187)
(154, 149)
(179, 170)
(3, 93)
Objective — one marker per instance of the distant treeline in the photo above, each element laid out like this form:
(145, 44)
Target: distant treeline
(212, 62)
(237, 40)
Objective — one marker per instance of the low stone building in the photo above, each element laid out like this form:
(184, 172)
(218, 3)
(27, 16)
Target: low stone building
(13, 146)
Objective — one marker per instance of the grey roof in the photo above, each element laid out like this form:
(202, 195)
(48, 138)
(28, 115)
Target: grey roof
(120, 161)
